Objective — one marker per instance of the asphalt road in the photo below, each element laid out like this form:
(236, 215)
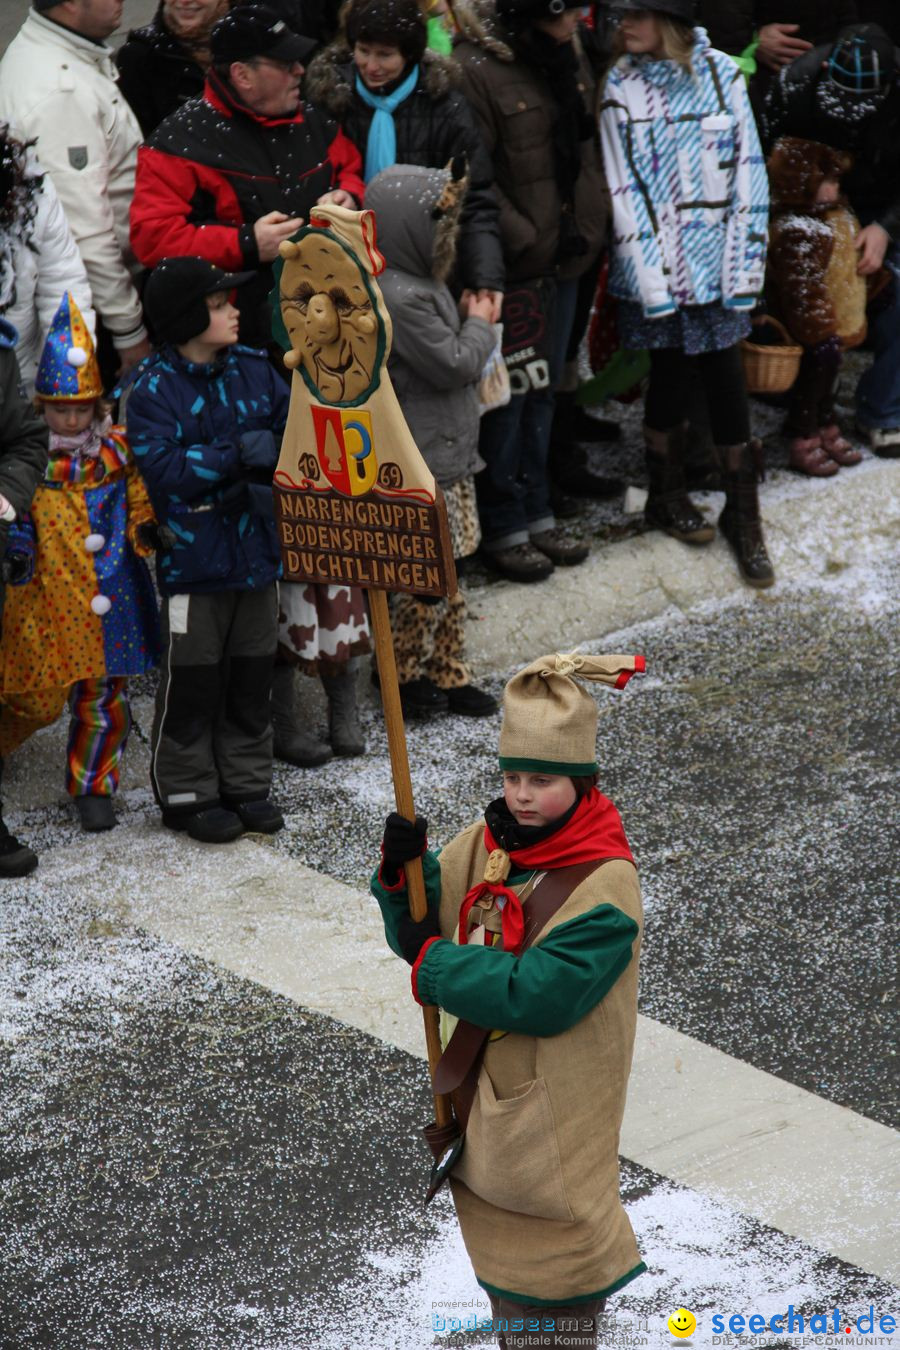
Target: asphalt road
(194, 1161)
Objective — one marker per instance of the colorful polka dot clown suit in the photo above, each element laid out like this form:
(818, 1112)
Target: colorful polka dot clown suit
(82, 616)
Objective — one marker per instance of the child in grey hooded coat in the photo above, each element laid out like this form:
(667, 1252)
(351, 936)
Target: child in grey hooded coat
(440, 348)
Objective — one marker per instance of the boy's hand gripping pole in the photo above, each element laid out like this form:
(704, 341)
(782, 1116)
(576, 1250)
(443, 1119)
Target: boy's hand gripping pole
(403, 796)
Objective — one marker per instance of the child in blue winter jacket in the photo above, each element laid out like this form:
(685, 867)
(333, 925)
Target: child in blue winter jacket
(205, 419)
(690, 201)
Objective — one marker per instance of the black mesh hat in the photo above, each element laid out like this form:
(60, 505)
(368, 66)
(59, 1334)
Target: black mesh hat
(175, 296)
(862, 60)
(685, 10)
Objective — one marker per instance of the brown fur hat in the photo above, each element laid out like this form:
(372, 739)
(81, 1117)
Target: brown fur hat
(797, 169)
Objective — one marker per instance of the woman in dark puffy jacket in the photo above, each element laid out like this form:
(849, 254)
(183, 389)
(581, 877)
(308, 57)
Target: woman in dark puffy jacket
(164, 64)
(401, 104)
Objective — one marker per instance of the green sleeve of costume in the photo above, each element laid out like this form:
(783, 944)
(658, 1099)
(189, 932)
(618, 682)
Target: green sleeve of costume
(394, 904)
(544, 991)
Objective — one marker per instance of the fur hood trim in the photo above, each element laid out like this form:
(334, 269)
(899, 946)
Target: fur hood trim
(330, 78)
(478, 23)
(417, 214)
(797, 168)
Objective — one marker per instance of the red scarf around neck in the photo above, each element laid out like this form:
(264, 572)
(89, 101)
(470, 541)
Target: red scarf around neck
(595, 832)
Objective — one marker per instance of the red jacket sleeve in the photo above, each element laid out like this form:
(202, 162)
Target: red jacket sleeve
(347, 165)
(161, 227)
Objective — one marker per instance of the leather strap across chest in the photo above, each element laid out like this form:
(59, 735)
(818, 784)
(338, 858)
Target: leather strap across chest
(458, 1068)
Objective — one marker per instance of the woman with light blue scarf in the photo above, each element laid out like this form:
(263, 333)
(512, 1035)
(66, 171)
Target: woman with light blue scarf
(401, 104)
(381, 147)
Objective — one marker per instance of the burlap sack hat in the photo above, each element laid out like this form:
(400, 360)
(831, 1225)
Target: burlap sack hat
(549, 720)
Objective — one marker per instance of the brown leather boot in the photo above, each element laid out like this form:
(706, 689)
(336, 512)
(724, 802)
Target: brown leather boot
(740, 521)
(668, 506)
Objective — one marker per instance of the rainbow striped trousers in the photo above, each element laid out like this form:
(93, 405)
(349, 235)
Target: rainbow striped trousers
(98, 729)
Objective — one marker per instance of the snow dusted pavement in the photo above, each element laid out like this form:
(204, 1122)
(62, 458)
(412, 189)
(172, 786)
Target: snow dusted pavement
(211, 1066)
(212, 1089)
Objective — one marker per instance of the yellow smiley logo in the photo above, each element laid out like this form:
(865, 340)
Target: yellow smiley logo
(682, 1323)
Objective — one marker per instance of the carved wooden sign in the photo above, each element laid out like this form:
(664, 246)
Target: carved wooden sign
(355, 501)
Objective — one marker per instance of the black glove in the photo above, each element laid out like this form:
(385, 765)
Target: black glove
(16, 567)
(412, 934)
(259, 450)
(148, 533)
(402, 840)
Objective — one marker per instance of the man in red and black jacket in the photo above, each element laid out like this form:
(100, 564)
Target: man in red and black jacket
(231, 174)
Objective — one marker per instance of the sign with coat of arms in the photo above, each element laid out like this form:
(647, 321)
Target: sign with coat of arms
(354, 500)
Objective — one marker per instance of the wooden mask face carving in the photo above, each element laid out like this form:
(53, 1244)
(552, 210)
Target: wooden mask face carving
(335, 330)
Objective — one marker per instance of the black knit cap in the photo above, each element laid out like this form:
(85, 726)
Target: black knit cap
(255, 30)
(394, 23)
(685, 10)
(175, 296)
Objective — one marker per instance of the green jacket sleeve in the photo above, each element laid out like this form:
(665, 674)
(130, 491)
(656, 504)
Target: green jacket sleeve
(544, 991)
(394, 901)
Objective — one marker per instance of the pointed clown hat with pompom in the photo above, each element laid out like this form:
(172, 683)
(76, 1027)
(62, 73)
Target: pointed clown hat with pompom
(550, 720)
(68, 367)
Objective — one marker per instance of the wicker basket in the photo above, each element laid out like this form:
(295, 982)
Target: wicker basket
(771, 369)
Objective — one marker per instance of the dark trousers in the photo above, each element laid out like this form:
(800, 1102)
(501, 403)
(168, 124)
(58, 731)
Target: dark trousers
(722, 376)
(812, 397)
(212, 732)
(878, 391)
(514, 487)
(575, 1327)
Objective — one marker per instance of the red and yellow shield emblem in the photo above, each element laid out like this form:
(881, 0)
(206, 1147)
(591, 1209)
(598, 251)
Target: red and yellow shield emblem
(345, 449)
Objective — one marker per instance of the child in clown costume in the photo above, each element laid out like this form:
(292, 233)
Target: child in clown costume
(530, 949)
(83, 617)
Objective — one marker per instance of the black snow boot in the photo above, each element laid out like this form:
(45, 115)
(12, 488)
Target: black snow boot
(95, 813)
(668, 505)
(294, 741)
(740, 521)
(16, 859)
(344, 729)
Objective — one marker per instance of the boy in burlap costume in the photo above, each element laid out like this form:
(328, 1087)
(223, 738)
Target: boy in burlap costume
(537, 1185)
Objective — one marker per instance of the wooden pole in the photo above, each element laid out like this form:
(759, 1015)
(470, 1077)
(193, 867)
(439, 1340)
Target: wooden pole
(403, 796)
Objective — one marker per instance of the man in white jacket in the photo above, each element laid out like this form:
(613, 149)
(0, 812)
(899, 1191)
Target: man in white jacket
(58, 85)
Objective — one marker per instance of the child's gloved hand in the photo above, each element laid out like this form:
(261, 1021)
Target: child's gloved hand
(147, 538)
(412, 934)
(17, 568)
(403, 840)
(258, 450)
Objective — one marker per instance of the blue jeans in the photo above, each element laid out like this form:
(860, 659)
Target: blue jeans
(514, 488)
(878, 391)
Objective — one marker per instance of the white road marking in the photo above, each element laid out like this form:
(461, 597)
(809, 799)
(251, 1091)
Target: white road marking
(773, 1151)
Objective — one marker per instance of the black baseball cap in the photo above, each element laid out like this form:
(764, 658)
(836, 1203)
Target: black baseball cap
(256, 30)
(175, 296)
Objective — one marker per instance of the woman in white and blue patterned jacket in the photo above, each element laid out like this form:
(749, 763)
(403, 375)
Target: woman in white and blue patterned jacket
(690, 211)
